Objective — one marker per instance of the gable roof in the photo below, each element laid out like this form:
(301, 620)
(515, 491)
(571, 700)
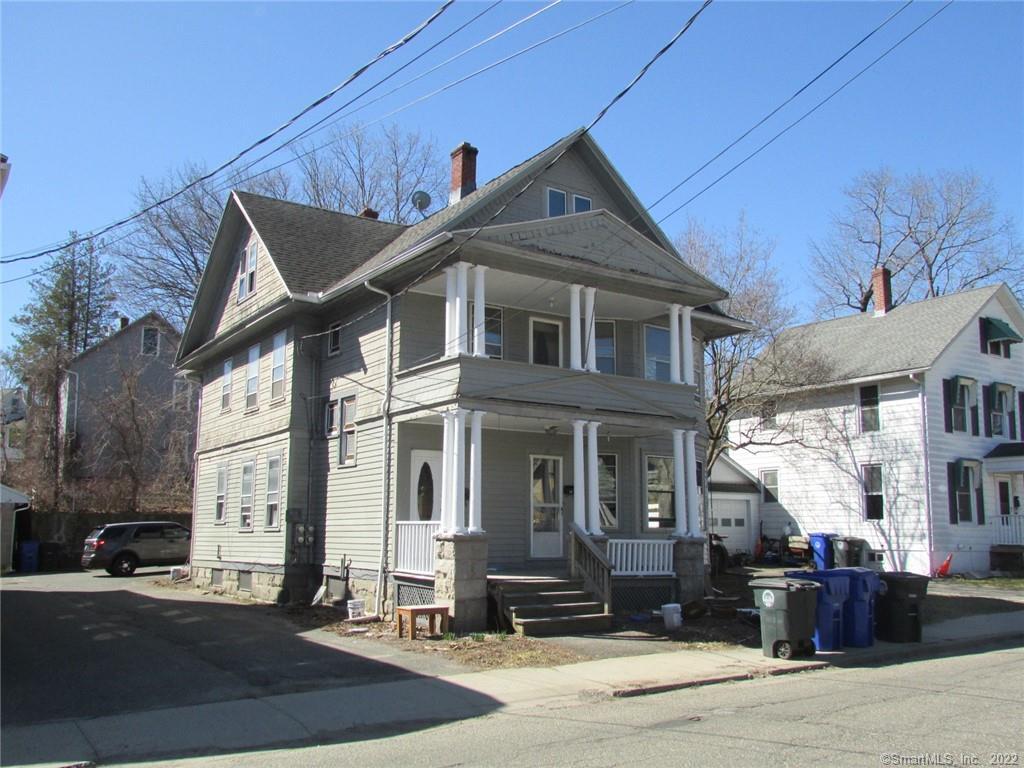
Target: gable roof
(150, 318)
(313, 248)
(908, 338)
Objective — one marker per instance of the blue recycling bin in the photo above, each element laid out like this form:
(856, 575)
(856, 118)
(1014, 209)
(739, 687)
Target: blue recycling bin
(821, 545)
(859, 611)
(28, 556)
(828, 623)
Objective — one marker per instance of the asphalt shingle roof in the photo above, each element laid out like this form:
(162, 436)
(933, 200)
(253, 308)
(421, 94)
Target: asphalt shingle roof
(909, 337)
(313, 248)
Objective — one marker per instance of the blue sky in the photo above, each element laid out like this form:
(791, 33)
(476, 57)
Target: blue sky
(97, 95)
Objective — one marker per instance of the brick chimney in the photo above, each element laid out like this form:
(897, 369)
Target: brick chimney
(124, 322)
(369, 213)
(881, 290)
(463, 171)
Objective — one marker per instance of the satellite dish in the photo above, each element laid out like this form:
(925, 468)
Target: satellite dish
(420, 201)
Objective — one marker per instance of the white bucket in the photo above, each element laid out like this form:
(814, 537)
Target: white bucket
(672, 613)
(356, 609)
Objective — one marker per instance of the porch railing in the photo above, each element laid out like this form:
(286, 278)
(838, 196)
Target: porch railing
(1007, 529)
(414, 545)
(590, 564)
(641, 557)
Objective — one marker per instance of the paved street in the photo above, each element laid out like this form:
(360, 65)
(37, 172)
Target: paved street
(962, 705)
(79, 645)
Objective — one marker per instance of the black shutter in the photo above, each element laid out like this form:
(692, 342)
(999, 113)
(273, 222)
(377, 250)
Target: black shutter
(1012, 418)
(1020, 412)
(975, 427)
(1006, 349)
(947, 403)
(981, 333)
(979, 497)
(951, 485)
(986, 400)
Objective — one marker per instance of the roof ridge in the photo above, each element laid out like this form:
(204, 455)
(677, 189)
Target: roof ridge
(319, 208)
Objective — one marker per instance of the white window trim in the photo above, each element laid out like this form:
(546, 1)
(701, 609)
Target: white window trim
(226, 378)
(547, 201)
(615, 345)
(252, 373)
(971, 486)
(618, 472)
(330, 333)
(576, 197)
(561, 340)
(764, 485)
(246, 270)
(335, 405)
(343, 432)
(142, 341)
(669, 359)
(279, 346)
(252, 497)
(220, 500)
(276, 525)
(864, 490)
(860, 409)
(472, 334)
(644, 489)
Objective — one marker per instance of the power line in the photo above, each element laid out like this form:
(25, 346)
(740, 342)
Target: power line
(408, 37)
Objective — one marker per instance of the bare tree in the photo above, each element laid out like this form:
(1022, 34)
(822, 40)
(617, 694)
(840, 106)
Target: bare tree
(741, 261)
(937, 234)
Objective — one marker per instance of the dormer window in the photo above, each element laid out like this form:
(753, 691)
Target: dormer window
(997, 336)
(247, 272)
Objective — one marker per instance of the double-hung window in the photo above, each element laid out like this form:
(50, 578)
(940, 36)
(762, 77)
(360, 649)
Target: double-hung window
(999, 410)
(225, 384)
(769, 485)
(608, 493)
(245, 503)
(277, 371)
(332, 418)
(347, 442)
(961, 402)
(334, 339)
(150, 341)
(222, 494)
(661, 511)
(769, 415)
(657, 356)
(869, 416)
(493, 346)
(252, 378)
(605, 330)
(874, 498)
(963, 492)
(273, 517)
(247, 271)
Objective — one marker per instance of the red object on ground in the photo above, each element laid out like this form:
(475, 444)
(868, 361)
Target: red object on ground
(943, 570)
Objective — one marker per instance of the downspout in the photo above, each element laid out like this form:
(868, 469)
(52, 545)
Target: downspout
(922, 397)
(386, 450)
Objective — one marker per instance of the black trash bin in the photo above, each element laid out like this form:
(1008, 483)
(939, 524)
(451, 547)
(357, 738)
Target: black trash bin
(898, 607)
(850, 552)
(787, 606)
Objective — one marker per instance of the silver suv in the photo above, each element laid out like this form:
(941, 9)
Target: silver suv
(120, 548)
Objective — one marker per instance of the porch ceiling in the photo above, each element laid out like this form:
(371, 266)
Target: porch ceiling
(551, 427)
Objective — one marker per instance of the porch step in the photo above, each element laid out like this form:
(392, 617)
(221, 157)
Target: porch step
(545, 598)
(554, 609)
(535, 585)
(563, 625)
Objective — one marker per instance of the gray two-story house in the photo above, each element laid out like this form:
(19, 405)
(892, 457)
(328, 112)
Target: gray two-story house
(510, 387)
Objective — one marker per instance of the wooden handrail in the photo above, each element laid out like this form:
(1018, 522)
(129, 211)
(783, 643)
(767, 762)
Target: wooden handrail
(589, 563)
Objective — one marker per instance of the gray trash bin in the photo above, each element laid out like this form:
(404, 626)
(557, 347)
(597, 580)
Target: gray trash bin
(850, 552)
(787, 606)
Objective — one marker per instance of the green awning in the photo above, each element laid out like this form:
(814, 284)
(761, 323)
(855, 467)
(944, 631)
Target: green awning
(1000, 330)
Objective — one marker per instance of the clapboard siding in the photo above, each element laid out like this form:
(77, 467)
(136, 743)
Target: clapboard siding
(227, 541)
(819, 471)
(969, 542)
(269, 287)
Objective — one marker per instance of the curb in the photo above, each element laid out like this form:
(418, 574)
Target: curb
(912, 652)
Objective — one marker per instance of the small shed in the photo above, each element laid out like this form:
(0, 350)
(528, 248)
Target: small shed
(734, 505)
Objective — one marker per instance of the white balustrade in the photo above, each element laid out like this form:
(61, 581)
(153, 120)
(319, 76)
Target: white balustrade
(641, 557)
(1008, 529)
(414, 546)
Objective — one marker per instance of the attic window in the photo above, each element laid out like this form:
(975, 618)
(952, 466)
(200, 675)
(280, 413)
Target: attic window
(150, 340)
(997, 336)
(334, 339)
(247, 272)
(557, 202)
(581, 204)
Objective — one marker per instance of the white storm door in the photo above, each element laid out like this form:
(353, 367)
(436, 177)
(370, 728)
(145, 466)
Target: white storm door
(545, 506)
(425, 486)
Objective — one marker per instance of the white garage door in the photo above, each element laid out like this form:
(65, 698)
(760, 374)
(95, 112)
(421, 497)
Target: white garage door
(731, 518)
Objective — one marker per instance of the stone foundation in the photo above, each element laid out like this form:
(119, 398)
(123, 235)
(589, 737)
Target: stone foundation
(460, 580)
(269, 586)
(688, 560)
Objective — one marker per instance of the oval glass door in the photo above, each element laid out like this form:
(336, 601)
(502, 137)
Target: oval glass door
(425, 492)
(425, 486)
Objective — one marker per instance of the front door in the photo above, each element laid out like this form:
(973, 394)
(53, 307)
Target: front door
(545, 506)
(1004, 497)
(425, 486)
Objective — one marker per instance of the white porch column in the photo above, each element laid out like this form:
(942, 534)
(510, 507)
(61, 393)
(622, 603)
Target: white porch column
(459, 475)
(688, 373)
(579, 496)
(679, 482)
(449, 311)
(461, 308)
(446, 475)
(479, 317)
(673, 343)
(591, 342)
(593, 492)
(575, 358)
(476, 472)
(692, 491)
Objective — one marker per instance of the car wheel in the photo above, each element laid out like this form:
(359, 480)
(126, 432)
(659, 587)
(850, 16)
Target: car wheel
(124, 565)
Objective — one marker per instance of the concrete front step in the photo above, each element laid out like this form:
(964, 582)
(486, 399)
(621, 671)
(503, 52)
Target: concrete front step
(554, 609)
(545, 598)
(563, 625)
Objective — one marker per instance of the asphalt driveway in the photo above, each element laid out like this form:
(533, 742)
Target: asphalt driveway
(79, 645)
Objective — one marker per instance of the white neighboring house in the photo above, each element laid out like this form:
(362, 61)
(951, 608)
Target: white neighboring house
(914, 442)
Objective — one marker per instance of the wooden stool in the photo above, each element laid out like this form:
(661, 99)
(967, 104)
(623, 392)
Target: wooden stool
(432, 612)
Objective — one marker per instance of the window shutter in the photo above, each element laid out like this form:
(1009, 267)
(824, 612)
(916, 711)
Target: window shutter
(981, 333)
(1012, 418)
(986, 399)
(951, 484)
(947, 403)
(979, 498)
(1020, 412)
(975, 426)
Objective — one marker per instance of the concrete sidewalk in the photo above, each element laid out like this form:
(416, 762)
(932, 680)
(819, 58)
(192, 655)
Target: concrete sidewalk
(368, 711)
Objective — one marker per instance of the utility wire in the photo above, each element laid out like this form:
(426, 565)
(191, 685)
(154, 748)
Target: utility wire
(408, 37)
